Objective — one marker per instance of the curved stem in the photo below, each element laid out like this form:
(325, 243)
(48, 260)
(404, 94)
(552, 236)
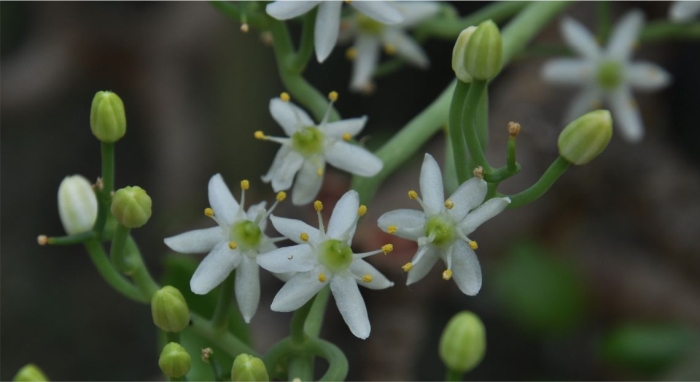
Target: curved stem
(337, 362)
(555, 170)
(471, 134)
(142, 278)
(110, 275)
(298, 320)
(276, 355)
(220, 318)
(459, 146)
(314, 320)
(118, 253)
(306, 47)
(225, 340)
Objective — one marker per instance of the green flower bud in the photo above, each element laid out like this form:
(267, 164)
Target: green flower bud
(586, 137)
(483, 57)
(169, 309)
(458, 53)
(77, 204)
(107, 118)
(30, 372)
(131, 206)
(248, 368)
(463, 342)
(174, 360)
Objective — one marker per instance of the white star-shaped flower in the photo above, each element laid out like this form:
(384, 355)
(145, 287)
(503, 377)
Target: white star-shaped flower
(310, 146)
(442, 228)
(607, 74)
(328, 18)
(371, 35)
(323, 257)
(684, 11)
(233, 244)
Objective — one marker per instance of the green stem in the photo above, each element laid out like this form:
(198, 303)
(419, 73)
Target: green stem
(118, 254)
(527, 24)
(276, 354)
(298, 320)
(225, 340)
(110, 275)
(500, 174)
(172, 337)
(301, 367)
(459, 146)
(555, 170)
(658, 31)
(254, 19)
(314, 320)
(482, 119)
(450, 29)
(604, 21)
(471, 134)
(510, 156)
(388, 67)
(337, 362)
(450, 172)
(78, 238)
(220, 318)
(105, 195)
(453, 376)
(142, 278)
(306, 47)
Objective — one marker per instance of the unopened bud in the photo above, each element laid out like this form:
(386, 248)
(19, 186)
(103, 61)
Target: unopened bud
(586, 137)
(458, 55)
(483, 57)
(463, 342)
(77, 204)
(30, 372)
(169, 309)
(107, 117)
(248, 368)
(513, 129)
(131, 206)
(174, 360)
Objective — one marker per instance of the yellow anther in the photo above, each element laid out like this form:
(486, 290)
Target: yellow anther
(208, 212)
(447, 274)
(347, 137)
(333, 96)
(42, 240)
(244, 28)
(367, 278)
(386, 248)
(322, 277)
(281, 196)
(319, 171)
(407, 267)
(473, 245)
(245, 184)
(285, 97)
(259, 135)
(479, 172)
(318, 206)
(449, 204)
(304, 237)
(412, 195)
(232, 245)
(351, 54)
(391, 229)
(390, 49)
(513, 129)
(362, 210)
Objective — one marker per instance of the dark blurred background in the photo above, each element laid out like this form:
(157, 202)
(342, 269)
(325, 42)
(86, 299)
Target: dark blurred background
(597, 280)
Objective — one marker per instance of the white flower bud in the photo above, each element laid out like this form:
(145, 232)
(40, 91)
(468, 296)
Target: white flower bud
(77, 204)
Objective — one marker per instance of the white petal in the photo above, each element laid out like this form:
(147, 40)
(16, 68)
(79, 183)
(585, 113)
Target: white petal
(367, 47)
(486, 211)
(276, 163)
(467, 197)
(406, 47)
(351, 126)
(422, 267)
(625, 35)
(284, 10)
(292, 229)
(308, 182)
(327, 27)
(351, 305)
(683, 11)
(568, 71)
(626, 115)
(253, 212)
(431, 188)
(589, 98)
(221, 200)
(647, 76)
(247, 287)
(379, 10)
(288, 116)
(466, 270)
(578, 37)
(297, 291)
(214, 268)
(353, 159)
(297, 258)
(360, 268)
(344, 215)
(197, 241)
(410, 224)
(284, 176)
(416, 12)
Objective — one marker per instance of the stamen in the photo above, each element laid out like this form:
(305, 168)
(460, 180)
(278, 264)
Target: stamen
(244, 28)
(426, 239)
(412, 195)
(319, 171)
(322, 277)
(304, 237)
(333, 96)
(362, 210)
(232, 245)
(407, 267)
(42, 240)
(473, 245)
(386, 248)
(367, 278)
(284, 96)
(351, 54)
(245, 184)
(479, 172)
(277, 239)
(209, 212)
(449, 204)
(390, 49)
(259, 135)
(318, 206)
(391, 229)
(347, 137)
(281, 196)
(447, 274)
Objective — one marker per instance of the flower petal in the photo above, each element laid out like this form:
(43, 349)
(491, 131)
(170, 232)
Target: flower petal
(253, 212)
(486, 211)
(647, 76)
(276, 163)
(626, 114)
(579, 38)
(361, 268)
(197, 241)
(466, 270)
(379, 10)
(625, 35)
(327, 27)
(568, 71)
(589, 98)
(431, 188)
(351, 305)
(222, 202)
(286, 9)
(429, 257)
(410, 224)
(344, 215)
(367, 47)
(292, 229)
(406, 47)
(467, 197)
(247, 287)
(288, 116)
(214, 269)
(297, 291)
(297, 258)
(683, 11)
(308, 182)
(353, 159)
(351, 126)
(416, 12)
(284, 176)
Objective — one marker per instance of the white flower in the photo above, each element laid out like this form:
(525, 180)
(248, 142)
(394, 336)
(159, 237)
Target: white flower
(328, 18)
(684, 11)
(608, 73)
(233, 244)
(370, 35)
(310, 146)
(324, 257)
(442, 228)
(77, 204)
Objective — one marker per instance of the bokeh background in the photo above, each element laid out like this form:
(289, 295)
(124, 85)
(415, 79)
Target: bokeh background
(597, 280)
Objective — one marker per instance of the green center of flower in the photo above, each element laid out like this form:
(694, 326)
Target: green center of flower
(368, 25)
(308, 141)
(442, 229)
(335, 255)
(246, 234)
(609, 74)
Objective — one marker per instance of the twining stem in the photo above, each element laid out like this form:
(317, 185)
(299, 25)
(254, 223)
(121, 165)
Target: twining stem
(306, 46)
(111, 275)
(453, 376)
(459, 145)
(220, 318)
(225, 340)
(118, 253)
(471, 134)
(555, 170)
(337, 363)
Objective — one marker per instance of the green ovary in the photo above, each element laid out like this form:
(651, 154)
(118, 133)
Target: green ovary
(609, 74)
(441, 229)
(246, 234)
(308, 141)
(369, 25)
(335, 255)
